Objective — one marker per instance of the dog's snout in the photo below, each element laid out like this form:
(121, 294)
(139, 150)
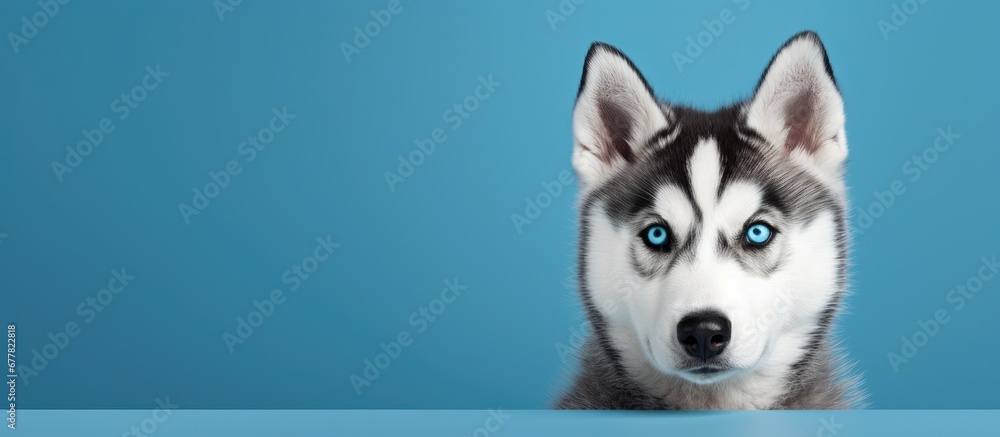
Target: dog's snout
(704, 334)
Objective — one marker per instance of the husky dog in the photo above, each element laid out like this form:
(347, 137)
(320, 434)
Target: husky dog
(713, 245)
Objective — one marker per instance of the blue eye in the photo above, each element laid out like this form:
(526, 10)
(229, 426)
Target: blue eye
(759, 234)
(656, 236)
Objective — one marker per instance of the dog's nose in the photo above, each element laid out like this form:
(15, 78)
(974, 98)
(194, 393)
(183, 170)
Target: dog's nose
(704, 334)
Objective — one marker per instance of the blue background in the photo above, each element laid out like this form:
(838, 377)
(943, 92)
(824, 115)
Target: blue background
(496, 345)
(419, 423)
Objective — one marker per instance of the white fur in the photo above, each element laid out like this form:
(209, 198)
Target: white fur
(673, 206)
(705, 170)
(610, 275)
(772, 317)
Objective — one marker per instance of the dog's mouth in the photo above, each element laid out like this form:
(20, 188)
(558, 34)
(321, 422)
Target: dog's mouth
(706, 370)
(706, 374)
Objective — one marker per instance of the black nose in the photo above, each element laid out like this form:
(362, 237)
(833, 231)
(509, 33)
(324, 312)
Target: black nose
(704, 334)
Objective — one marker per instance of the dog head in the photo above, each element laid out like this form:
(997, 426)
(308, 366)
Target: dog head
(712, 243)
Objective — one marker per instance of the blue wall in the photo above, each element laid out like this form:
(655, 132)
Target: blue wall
(355, 254)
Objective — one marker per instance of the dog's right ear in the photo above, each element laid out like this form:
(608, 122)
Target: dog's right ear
(616, 113)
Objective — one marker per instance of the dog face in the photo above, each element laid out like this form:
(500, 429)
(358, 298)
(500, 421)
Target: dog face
(712, 243)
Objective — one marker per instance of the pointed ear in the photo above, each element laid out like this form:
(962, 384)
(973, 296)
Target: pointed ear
(797, 107)
(615, 114)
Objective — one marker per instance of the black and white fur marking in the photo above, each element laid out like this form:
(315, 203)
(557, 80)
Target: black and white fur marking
(776, 158)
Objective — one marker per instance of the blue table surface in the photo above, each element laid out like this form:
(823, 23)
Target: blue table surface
(499, 422)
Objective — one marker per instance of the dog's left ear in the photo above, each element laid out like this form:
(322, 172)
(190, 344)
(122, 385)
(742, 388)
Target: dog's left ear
(797, 107)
